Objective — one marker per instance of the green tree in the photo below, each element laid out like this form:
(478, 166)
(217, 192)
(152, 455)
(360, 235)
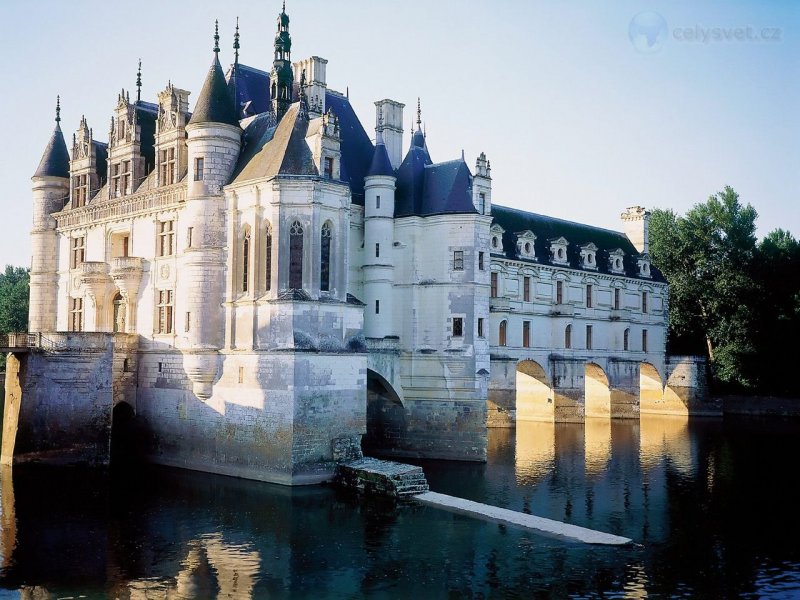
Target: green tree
(707, 256)
(14, 293)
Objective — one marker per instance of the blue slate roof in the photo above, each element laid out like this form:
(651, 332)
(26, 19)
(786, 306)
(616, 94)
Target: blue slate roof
(214, 104)
(146, 115)
(357, 149)
(55, 159)
(380, 165)
(411, 182)
(252, 95)
(545, 229)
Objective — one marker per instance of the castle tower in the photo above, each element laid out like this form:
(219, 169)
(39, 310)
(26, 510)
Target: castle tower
(482, 185)
(282, 77)
(379, 187)
(50, 193)
(214, 141)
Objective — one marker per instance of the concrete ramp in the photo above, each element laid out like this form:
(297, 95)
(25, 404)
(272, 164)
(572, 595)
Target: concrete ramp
(510, 517)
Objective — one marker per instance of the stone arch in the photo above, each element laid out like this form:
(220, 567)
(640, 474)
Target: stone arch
(386, 416)
(534, 393)
(597, 392)
(658, 396)
(123, 435)
(118, 313)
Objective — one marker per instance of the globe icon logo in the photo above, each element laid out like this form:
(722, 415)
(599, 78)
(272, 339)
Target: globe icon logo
(648, 32)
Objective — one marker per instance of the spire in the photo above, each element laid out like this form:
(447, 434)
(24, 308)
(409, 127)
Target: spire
(236, 44)
(282, 76)
(418, 137)
(214, 104)
(55, 159)
(303, 109)
(380, 165)
(419, 113)
(139, 82)
(216, 36)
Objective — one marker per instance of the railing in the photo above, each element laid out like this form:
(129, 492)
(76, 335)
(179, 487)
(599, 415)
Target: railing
(20, 341)
(52, 342)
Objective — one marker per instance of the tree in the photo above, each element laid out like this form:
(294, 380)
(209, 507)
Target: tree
(14, 293)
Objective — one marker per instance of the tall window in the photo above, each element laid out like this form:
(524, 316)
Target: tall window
(502, 334)
(589, 337)
(377, 307)
(559, 292)
(568, 337)
(458, 326)
(377, 201)
(198, 168)
(480, 261)
(76, 314)
(589, 295)
(78, 252)
(526, 334)
(626, 339)
(296, 256)
(268, 257)
(377, 250)
(644, 340)
(168, 166)
(329, 167)
(246, 260)
(480, 327)
(644, 302)
(166, 237)
(325, 258)
(458, 260)
(526, 289)
(482, 202)
(616, 298)
(115, 183)
(494, 285)
(80, 193)
(165, 307)
(126, 177)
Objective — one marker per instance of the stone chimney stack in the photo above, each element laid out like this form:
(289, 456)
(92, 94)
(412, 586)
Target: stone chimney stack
(391, 113)
(635, 223)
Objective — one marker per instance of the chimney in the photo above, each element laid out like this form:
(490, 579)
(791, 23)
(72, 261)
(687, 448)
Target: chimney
(391, 113)
(635, 224)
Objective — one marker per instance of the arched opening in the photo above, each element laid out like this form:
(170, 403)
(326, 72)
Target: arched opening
(386, 417)
(568, 337)
(123, 438)
(268, 257)
(296, 256)
(597, 393)
(246, 249)
(325, 257)
(534, 394)
(501, 334)
(658, 398)
(118, 315)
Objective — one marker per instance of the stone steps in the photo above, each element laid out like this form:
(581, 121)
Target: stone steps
(382, 477)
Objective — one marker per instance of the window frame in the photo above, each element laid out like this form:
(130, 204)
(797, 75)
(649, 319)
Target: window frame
(457, 327)
(458, 260)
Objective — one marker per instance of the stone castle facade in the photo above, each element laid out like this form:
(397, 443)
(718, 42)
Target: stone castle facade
(265, 288)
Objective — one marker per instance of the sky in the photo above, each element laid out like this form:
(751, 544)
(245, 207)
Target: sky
(583, 108)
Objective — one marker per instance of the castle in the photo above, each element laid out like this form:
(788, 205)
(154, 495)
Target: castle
(255, 288)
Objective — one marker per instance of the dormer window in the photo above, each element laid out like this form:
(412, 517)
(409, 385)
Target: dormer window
(525, 247)
(615, 261)
(558, 250)
(589, 256)
(643, 265)
(496, 240)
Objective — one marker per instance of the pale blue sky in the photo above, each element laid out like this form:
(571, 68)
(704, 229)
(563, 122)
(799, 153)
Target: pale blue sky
(577, 123)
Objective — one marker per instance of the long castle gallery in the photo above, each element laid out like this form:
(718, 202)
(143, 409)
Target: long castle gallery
(256, 288)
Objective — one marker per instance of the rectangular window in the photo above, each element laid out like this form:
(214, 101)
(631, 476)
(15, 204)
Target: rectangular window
(480, 327)
(377, 201)
(166, 234)
(165, 306)
(616, 298)
(644, 340)
(458, 326)
(80, 192)
(559, 292)
(644, 302)
(78, 254)
(241, 374)
(329, 167)
(458, 260)
(494, 285)
(589, 296)
(526, 289)
(115, 186)
(126, 243)
(126, 177)
(76, 314)
(588, 337)
(377, 307)
(481, 203)
(189, 232)
(526, 334)
(168, 166)
(480, 261)
(377, 250)
(198, 168)
(188, 321)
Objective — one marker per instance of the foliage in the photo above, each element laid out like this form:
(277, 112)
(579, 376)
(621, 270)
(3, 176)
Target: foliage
(14, 292)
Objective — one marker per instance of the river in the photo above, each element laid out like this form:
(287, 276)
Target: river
(713, 506)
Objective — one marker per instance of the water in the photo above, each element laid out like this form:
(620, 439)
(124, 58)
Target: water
(712, 504)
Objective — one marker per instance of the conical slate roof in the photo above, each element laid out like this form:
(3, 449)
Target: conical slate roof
(215, 105)
(381, 165)
(55, 160)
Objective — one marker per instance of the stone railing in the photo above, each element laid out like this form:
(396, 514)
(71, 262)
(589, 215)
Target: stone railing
(93, 269)
(127, 264)
(50, 342)
(124, 207)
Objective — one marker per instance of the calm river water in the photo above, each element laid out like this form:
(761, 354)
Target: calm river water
(713, 506)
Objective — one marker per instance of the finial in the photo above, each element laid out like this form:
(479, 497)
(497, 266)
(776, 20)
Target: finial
(419, 114)
(216, 36)
(347, 92)
(58, 109)
(462, 154)
(139, 82)
(284, 6)
(236, 43)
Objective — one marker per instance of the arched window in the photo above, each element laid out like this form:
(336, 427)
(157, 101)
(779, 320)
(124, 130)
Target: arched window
(502, 336)
(568, 337)
(626, 339)
(268, 257)
(325, 258)
(296, 256)
(246, 259)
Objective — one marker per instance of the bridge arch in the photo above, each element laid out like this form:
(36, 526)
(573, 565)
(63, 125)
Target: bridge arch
(387, 418)
(534, 393)
(123, 434)
(597, 392)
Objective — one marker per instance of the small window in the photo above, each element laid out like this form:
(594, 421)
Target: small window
(458, 260)
(644, 340)
(165, 306)
(126, 365)
(559, 292)
(526, 334)
(76, 314)
(167, 166)
(78, 254)
(480, 261)
(480, 327)
(188, 321)
(526, 289)
(377, 307)
(495, 242)
(589, 331)
(527, 247)
(328, 167)
(589, 296)
(616, 298)
(166, 235)
(198, 168)
(644, 302)
(494, 285)
(502, 332)
(377, 201)
(241, 374)
(561, 254)
(482, 202)
(626, 339)
(568, 337)
(458, 326)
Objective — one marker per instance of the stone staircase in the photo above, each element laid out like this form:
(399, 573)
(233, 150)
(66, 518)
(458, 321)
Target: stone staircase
(382, 477)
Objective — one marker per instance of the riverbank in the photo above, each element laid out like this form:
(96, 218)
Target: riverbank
(760, 406)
